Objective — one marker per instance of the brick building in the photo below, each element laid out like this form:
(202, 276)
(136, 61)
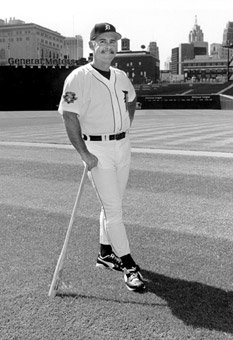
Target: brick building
(140, 66)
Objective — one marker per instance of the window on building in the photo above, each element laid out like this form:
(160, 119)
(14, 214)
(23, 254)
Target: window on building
(2, 54)
(139, 63)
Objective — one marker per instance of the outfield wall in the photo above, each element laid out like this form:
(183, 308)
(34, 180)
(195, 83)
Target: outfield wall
(187, 102)
(40, 88)
(226, 102)
(31, 88)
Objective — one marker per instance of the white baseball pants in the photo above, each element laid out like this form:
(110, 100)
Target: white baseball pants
(109, 179)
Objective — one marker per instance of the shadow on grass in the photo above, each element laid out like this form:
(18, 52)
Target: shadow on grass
(95, 297)
(196, 304)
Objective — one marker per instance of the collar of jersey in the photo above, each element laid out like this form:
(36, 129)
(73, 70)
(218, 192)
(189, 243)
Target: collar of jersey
(99, 76)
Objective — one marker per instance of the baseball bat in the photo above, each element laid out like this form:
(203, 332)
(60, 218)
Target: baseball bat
(58, 270)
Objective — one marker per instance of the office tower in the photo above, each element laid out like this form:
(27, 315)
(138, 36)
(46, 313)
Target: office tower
(196, 37)
(196, 33)
(73, 47)
(228, 34)
(153, 49)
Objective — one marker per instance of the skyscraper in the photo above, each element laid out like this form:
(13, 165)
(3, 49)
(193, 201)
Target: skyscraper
(196, 37)
(74, 47)
(153, 49)
(228, 34)
(188, 51)
(196, 33)
(227, 52)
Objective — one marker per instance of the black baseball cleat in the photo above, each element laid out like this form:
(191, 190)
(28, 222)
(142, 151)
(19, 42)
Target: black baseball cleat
(133, 279)
(110, 261)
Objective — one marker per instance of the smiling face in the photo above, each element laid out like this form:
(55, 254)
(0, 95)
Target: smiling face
(104, 50)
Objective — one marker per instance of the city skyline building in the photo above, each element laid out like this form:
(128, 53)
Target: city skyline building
(153, 49)
(216, 50)
(216, 65)
(73, 47)
(189, 51)
(140, 66)
(196, 37)
(196, 34)
(29, 41)
(167, 64)
(228, 34)
(31, 44)
(125, 44)
(227, 52)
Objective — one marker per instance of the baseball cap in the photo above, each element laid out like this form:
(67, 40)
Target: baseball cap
(104, 28)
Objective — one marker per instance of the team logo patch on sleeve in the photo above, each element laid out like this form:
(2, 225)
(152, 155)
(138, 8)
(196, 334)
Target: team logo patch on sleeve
(70, 97)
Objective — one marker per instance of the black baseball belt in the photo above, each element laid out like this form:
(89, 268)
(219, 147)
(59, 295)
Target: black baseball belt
(117, 136)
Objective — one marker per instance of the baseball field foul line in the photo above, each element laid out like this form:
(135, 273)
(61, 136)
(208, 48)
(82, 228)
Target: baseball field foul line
(135, 150)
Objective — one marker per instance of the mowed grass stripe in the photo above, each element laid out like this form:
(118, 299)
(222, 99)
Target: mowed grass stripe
(175, 225)
(184, 278)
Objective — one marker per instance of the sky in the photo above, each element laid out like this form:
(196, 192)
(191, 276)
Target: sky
(168, 22)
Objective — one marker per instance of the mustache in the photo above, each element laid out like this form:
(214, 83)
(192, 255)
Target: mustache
(111, 51)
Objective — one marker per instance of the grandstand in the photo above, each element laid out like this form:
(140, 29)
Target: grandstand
(185, 88)
(215, 96)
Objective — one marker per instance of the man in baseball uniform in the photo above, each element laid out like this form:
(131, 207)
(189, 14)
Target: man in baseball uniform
(98, 105)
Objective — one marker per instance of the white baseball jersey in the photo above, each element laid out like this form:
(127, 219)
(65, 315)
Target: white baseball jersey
(100, 103)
